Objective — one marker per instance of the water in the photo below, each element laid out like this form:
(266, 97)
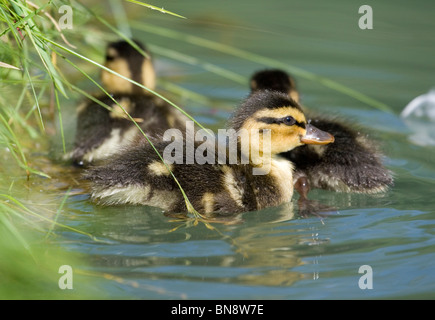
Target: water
(275, 253)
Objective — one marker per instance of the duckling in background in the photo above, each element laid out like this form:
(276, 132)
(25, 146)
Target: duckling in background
(138, 176)
(275, 80)
(124, 59)
(101, 132)
(352, 163)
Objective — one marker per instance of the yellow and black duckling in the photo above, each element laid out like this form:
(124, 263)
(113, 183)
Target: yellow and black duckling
(101, 132)
(230, 186)
(352, 163)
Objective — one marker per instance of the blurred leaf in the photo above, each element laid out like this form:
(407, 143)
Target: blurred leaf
(5, 65)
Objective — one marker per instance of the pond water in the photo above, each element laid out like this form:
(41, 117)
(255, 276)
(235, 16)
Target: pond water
(275, 253)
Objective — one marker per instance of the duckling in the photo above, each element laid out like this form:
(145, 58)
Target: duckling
(352, 163)
(124, 59)
(243, 179)
(101, 132)
(276, 80)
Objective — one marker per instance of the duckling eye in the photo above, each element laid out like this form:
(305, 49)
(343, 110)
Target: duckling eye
(110, 58)
(289, 120)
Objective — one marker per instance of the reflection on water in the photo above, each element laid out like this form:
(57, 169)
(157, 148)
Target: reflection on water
(142, 244)
(419, 116)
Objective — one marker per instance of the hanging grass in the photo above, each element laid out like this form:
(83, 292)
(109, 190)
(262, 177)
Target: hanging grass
(47, 48)
(33, 56)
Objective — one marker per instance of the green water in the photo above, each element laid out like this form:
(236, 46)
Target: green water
(274, 253)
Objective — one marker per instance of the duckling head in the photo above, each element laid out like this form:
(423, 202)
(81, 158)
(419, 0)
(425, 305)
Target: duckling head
(277, 113)
(276, 80)
(124, 59)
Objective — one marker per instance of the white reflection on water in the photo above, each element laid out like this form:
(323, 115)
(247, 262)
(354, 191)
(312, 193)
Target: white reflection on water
(419, 116)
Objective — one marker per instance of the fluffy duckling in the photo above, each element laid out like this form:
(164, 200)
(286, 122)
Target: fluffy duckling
(244, 179)
(352, 163)
(101, 132)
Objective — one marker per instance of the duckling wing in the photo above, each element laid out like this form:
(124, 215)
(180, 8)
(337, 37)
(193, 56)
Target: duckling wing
(136, 176)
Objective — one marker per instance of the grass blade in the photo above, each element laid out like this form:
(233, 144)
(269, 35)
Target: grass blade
(34, 34)
(120, 17)
(4, 219)
(175, 55)
(162, 10)
(12, 143)
(60, 120)
(246, 55)
(50, 230)
(26, 210)
(5, 65)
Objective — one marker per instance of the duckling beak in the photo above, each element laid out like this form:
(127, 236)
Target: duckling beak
(316, 136)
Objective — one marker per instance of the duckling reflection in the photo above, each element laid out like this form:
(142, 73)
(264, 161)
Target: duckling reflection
(261, 252)
(102, 132)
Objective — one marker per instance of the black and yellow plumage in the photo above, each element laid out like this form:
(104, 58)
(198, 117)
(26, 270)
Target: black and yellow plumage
(138, 176)
(102, 132)
(353, 163)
